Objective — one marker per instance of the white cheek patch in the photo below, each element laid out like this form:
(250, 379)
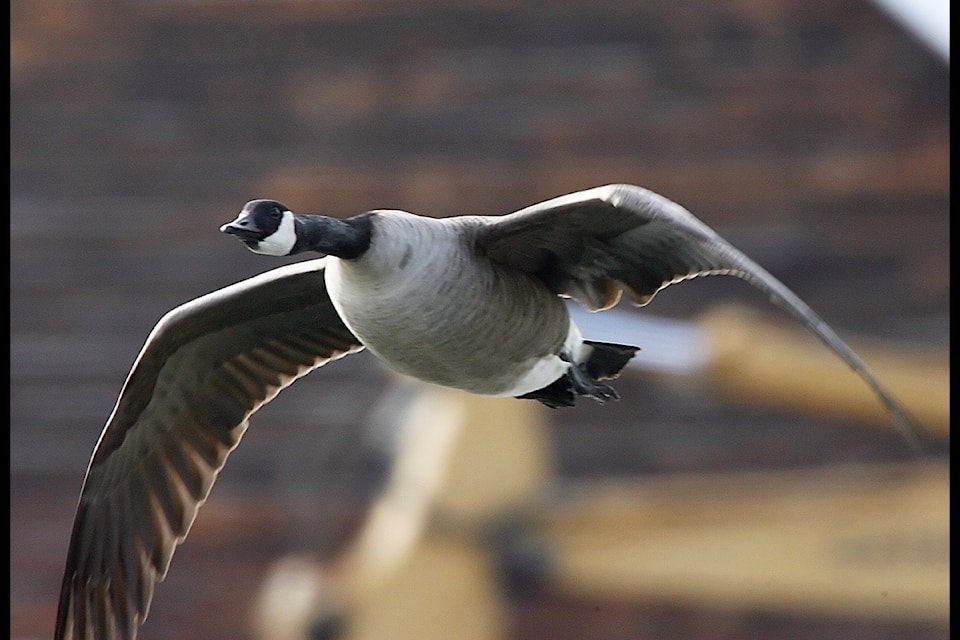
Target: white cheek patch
(281, 241)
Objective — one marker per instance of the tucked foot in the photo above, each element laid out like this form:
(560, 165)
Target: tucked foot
(563, 391)
(558, 393)
(586, 385)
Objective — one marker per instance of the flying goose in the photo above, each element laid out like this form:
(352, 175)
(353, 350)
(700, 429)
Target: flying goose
(471, 302)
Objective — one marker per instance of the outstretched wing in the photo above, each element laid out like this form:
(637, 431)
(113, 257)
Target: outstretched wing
(206, 367)
(592, 245)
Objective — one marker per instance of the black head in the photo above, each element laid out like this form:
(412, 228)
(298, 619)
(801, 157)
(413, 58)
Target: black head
(265, 226)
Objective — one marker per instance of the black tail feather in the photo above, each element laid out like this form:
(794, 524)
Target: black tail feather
(608, 359)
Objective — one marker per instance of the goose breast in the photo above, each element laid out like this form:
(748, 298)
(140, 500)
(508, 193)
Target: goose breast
(425, 301)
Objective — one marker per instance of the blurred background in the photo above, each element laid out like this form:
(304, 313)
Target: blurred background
(812, 134)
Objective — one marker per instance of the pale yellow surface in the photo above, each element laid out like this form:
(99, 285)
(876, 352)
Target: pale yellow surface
(872, 541)
(869, 541)
(755, 360)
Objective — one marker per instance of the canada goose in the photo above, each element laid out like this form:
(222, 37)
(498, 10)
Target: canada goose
(471, 302)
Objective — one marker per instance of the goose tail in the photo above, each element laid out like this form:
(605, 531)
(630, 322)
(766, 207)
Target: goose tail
(605, 362)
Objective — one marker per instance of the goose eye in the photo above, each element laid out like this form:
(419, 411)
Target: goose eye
(275, 214)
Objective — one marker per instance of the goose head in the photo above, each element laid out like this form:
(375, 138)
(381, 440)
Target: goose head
(270, 228)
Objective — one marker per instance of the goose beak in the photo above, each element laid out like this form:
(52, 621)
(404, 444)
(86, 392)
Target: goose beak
(244, 228)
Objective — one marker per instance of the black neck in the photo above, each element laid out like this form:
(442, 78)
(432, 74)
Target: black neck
(347, 239)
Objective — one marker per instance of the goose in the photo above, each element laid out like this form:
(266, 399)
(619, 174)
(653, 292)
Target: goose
(470, 302)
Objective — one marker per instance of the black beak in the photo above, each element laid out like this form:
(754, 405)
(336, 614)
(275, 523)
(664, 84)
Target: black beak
(244, 228)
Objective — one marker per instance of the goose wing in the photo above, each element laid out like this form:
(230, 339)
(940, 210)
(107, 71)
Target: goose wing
(593, 245)
(206, 367)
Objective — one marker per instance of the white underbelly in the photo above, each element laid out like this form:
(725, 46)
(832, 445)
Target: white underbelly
(543, 371)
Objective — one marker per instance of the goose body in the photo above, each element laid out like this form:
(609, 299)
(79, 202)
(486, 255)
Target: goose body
(449, 316)
(471, 302)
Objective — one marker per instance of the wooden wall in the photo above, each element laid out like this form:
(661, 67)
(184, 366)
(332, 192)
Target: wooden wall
(813, 134)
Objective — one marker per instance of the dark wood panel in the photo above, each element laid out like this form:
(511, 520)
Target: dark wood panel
(815, 132)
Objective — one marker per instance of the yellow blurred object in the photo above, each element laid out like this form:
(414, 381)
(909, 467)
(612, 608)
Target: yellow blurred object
(755, 360)
(420, 568)
(860, 540)
(863, 540)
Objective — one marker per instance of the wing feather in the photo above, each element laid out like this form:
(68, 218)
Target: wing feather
(594, 244)
(205, 369)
